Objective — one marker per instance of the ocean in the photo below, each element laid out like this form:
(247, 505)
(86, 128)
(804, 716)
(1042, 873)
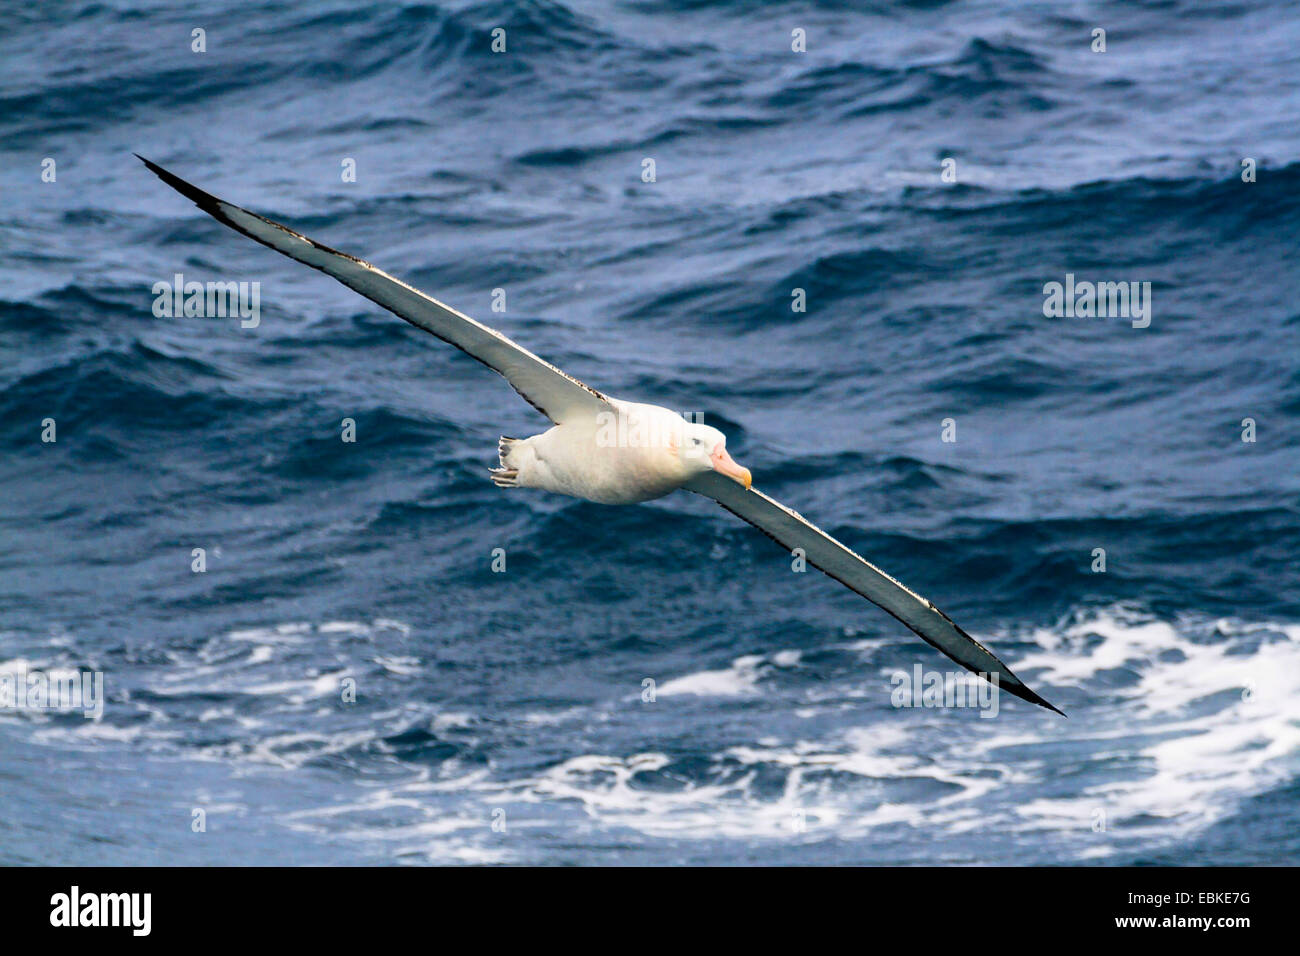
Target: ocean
(828, 229)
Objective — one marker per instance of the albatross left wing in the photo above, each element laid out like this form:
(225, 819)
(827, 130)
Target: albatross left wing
(552, 392)
(791, 530)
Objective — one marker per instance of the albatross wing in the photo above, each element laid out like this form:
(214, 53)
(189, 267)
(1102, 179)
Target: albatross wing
(556, 395)
(791, 530)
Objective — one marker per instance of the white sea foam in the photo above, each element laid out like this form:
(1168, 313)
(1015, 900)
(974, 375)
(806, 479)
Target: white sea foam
(1173, 724)
(1213, 716)
(739, 679)
(1209, 716)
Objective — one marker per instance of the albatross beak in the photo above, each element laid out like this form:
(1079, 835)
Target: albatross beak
(724, 464)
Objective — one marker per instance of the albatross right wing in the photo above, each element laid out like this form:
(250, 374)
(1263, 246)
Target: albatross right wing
(553, 393)
(792, 530)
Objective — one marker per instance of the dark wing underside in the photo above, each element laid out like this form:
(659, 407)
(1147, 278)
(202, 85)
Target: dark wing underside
(552, 392)
(791, 530)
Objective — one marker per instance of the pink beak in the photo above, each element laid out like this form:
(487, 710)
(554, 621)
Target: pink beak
(725, 465)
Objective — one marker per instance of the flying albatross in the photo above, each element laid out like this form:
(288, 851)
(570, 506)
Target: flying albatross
(610, 451)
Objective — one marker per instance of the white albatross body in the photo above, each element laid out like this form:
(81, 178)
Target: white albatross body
(620, 455)
(610, 451)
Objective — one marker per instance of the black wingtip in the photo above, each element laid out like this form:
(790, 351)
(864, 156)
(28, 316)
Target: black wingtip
(205, 201)
(1024, 693)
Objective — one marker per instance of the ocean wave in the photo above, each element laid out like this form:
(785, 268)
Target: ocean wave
(1187, 719)
(784, 181)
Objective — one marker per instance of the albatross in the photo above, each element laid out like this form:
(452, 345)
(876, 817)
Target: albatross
(611, 451)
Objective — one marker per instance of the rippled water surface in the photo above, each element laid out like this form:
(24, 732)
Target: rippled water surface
(517, 696)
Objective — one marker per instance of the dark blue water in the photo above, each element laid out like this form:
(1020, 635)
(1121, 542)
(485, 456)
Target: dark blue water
(516, 696)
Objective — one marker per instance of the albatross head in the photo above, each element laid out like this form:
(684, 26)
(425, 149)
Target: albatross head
(704, 449)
